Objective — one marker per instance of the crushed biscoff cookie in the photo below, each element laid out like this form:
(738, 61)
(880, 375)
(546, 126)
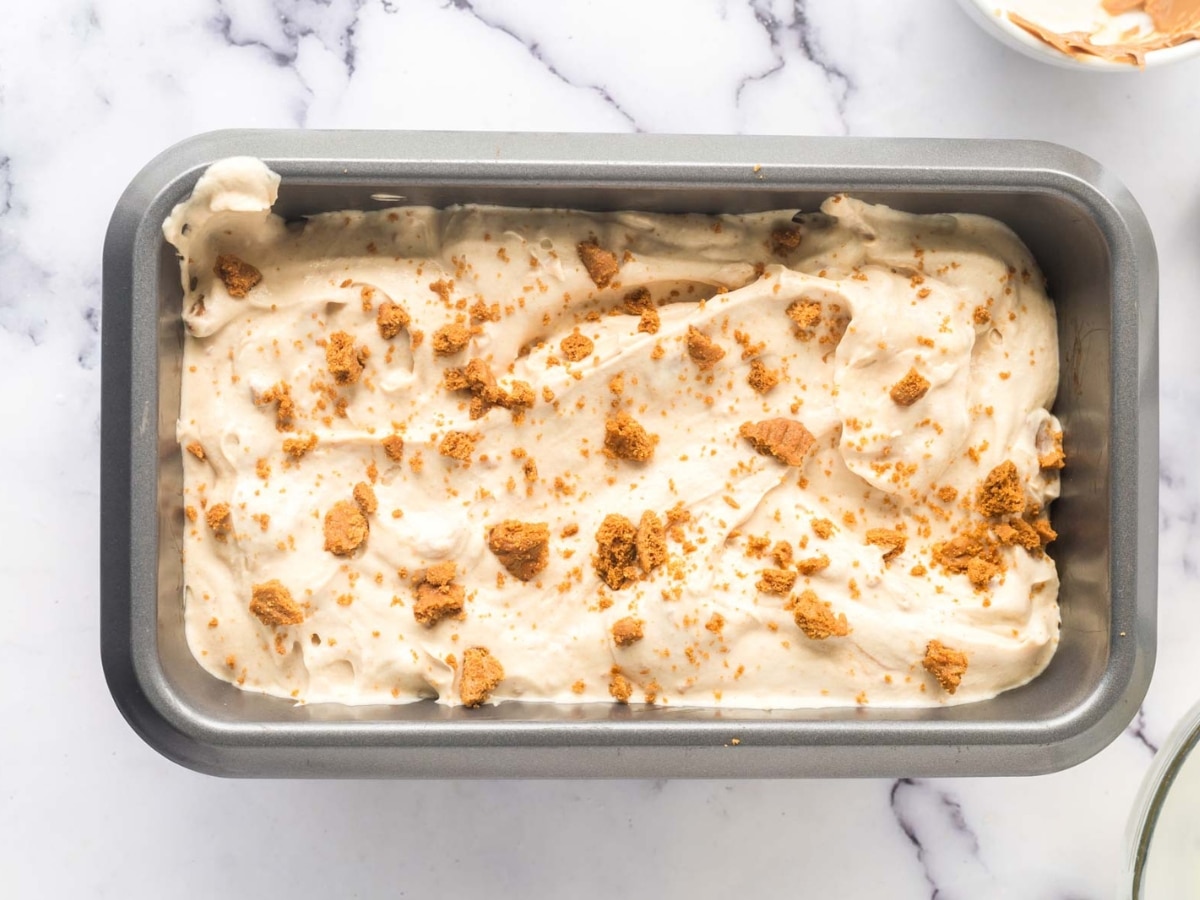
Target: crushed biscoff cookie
(272, 603)
(703, 350)
(785, 439)
(909, 389)
(523, 548)
(627, 631)
(438, 596)
(625, 438)
(391, 318)
(238, 276)
(345, 361)
(740, 461)
(601, 265)
(345, 528)
(481, 674)
(816, 619)
(945, 664)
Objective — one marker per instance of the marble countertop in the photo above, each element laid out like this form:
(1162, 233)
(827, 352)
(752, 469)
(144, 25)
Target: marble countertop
(92, 89)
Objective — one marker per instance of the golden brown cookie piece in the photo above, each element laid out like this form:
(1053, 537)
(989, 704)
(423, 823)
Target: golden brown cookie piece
(705, 352)
(816, 619)
(909, 389)
(344, 360)
(616, 552)
(1002, 492)
(220, 520)
(298, 448)
(238, 276)
(346, 528)
(822, 528)
(627, 631)
(393, 446)
(805, 314)
(436, 602)
(391, 318)
(891, 540)
(812, 565)
(197, 450)
(762, 379)
(625, 438)
(945, 664)
(481, 674)
(651, 542)
(458, 445)
(285, 406)
(776, 581)
(620, 688)
(576, 346)
(785, 439)
(272, 603)
(1054, 457)
(364, 496)
(601, 265)
(973, 553)
(450, 339)
(523, 548)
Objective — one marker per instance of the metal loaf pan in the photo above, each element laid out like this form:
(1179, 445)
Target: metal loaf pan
(1084, 228)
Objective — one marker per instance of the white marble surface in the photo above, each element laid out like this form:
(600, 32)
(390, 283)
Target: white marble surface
(91, 89)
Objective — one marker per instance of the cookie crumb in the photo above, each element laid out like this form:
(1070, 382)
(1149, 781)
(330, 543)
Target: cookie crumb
(344, 360)
(1002, 492)
(785, 439)
(909, 389)
(521, 547)
(298, 448)
(481, 674)
(627, 631)
(776, 581)
(450, 339)
(219, 520)
(601, 265)
(272, 603)
(945, 664)
(393, 446)
(625, 438)
(346, 528)
(238, 276)
(616, 552)
(620, 688)
(651, 542)
(437, 595)
(285, 407)
(812, 565)
(890, 540)
(197, 450)
(576, 346)
(364, 496)
(391, 318)
(806, 314)
(762, 379)
(458, 445)
(702, 349)
(822, 528)
(947, 493)
(816, 619)
(1053, 458)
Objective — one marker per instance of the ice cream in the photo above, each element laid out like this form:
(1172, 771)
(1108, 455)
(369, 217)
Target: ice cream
(481, 454)
(1121, 31)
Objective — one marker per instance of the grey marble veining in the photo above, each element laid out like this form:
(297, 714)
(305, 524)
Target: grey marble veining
(92, 89)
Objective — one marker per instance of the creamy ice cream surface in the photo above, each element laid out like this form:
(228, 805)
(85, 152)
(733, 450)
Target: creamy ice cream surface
(480, 454)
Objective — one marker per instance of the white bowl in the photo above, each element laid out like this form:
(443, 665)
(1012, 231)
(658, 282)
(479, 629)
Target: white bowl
(991, 16)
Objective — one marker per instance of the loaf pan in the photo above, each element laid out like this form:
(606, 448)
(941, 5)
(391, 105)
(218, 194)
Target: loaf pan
(1085, 230)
